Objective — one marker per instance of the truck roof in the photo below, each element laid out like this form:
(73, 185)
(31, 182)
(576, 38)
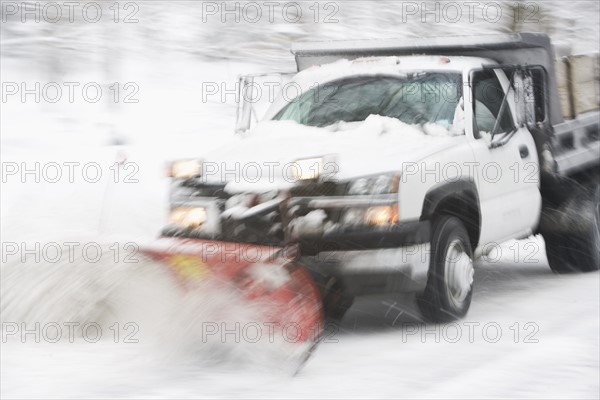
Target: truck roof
(405, 63)
(486, 46)
(506, 49)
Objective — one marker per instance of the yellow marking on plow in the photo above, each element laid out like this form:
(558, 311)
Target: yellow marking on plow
(189, 267)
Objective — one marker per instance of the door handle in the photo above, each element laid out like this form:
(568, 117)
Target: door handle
(523, 151)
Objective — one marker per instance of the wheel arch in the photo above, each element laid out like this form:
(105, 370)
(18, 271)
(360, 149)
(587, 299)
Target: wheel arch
(460, 199)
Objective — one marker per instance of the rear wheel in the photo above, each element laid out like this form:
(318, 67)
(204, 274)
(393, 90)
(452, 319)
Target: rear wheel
(449, 289)
(572, 234)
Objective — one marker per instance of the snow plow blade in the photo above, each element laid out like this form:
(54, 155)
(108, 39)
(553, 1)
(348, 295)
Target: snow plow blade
(281, 288)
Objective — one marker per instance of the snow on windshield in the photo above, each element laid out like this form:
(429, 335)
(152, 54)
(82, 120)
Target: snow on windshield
(424, 99)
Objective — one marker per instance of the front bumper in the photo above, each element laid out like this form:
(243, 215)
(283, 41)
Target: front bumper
(368, 261)
(364, 272)
(408, 233)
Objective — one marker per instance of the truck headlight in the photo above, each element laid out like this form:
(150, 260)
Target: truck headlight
(359, 186)
(382, 184)
(185, 169)
(308, 169)
(382, 216)
(372, 216)
(188, 218)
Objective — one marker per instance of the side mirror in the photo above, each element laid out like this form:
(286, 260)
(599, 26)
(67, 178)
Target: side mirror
(535, 97)
(528, 113)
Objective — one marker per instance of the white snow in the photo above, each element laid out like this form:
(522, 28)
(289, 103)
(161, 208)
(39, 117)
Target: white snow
(380, 350)
(376, 145)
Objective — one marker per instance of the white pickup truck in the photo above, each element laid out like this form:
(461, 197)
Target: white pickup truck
(398, 163)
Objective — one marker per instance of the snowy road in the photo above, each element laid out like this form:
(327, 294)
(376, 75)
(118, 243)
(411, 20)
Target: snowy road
(379, 352)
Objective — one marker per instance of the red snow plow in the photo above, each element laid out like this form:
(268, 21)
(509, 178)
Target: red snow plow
(263, 276)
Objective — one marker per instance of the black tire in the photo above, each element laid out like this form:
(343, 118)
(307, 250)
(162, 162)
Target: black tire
(336, 304)
(572, 234)
(442, 301)
(336, 301)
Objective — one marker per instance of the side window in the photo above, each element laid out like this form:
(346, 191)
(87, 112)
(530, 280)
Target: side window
(490, 108)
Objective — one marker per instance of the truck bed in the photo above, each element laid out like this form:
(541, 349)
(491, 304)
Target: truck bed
(577, 143)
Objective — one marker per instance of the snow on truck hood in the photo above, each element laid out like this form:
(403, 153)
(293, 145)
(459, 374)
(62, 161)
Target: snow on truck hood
(260, 161)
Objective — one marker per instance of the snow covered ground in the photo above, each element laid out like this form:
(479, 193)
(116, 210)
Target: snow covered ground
(529, 333)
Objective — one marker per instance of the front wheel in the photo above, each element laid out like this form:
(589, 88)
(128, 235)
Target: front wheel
(449, 289)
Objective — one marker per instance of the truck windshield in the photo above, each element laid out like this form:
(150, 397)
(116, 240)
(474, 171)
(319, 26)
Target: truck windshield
(414, 99)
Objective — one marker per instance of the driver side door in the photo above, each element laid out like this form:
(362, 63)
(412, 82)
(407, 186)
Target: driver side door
(507, 172)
